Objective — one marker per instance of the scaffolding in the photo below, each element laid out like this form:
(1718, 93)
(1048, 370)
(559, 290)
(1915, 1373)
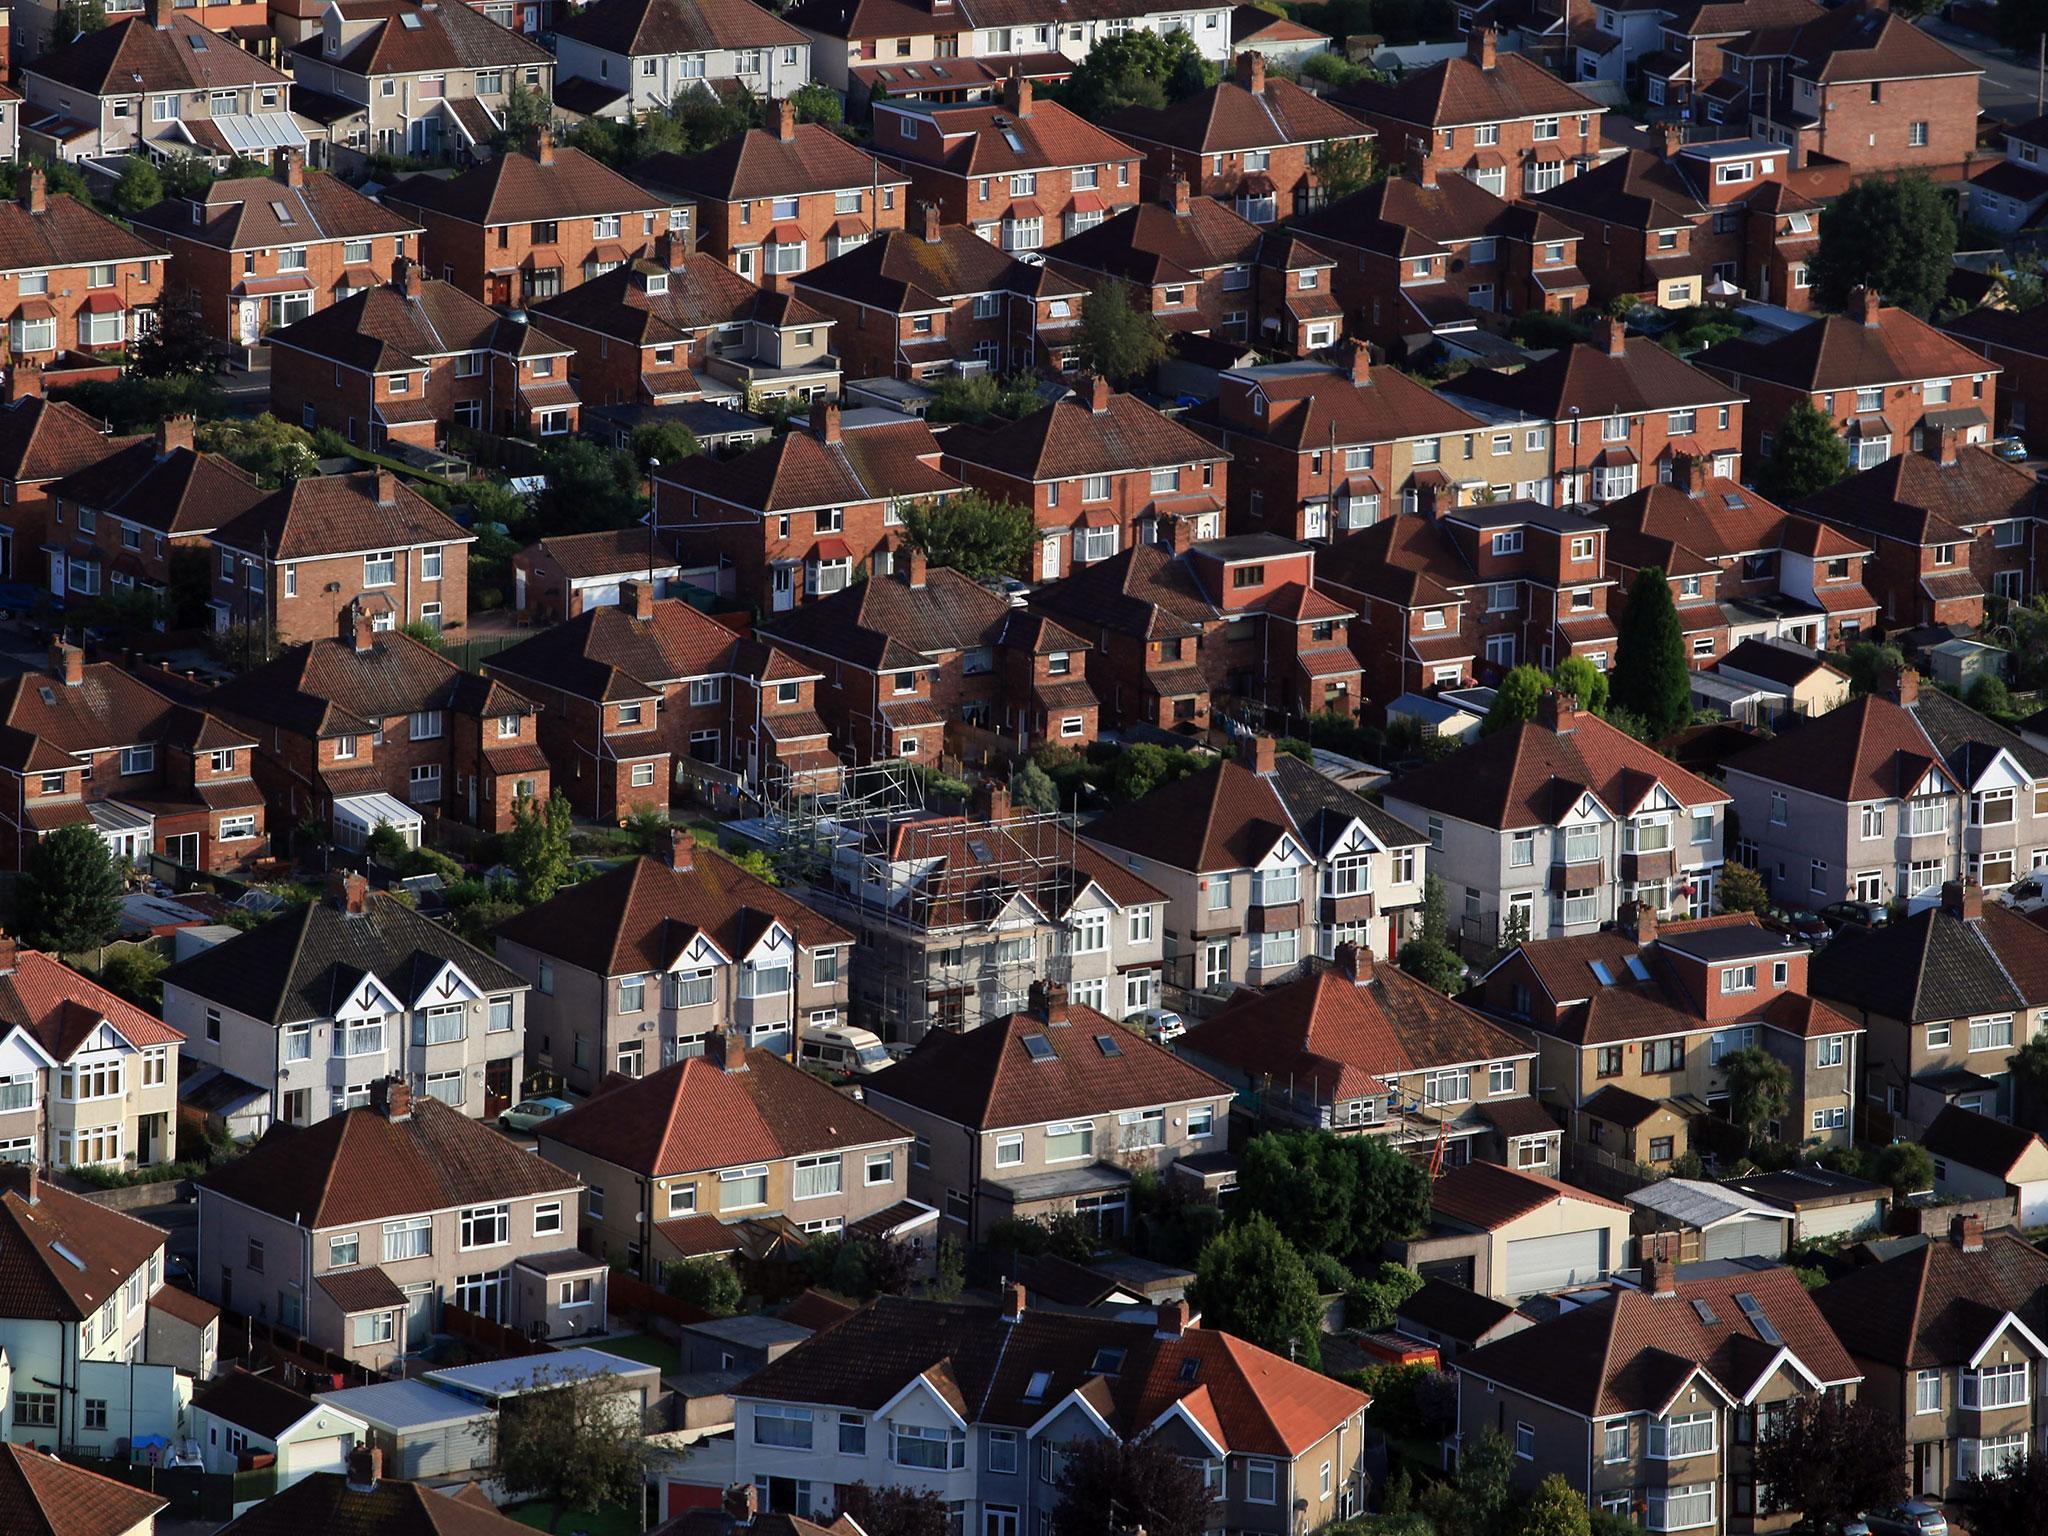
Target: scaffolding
(954, 915)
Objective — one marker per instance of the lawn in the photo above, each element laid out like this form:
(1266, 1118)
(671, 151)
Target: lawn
(611, 1520)
(645, 1348)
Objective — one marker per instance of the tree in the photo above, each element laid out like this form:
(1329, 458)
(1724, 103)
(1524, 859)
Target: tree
(978, 397)
(1135, 69)
(2011, 1499)
(1345, 166)
(1870, 664)
(527, 109)
(1032, 788)
(708, 118)
(670, 442)
(816, 103)
(1807, 455)
(1436, 966)
(1741, 889)
(896, 1510)
(1650, 675)
(1251, 1282)
(1120, 342)
(1990, 696)
(1832, 1459)
(1556, 1509)
(75, 17)
(1895, 234)
(140, 186)
(971, 532)
(179, 347)
(709, 1283)
(537, 847)
(578, 1445)
(1759, 1088)
(274, 451)
(136, 973)
(1371, 1304)
(1515, 699)
(1109, 1484)
(69, 897)
(1345, 1196)
(1393, 1196)
(1905, 1165)
(1586, 683)
(590, 488)
(2029, 1068)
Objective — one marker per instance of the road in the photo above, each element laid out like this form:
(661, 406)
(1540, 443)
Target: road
(2008, 89)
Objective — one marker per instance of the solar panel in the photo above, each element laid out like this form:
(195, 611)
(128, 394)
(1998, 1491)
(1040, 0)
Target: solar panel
(1107, 1044)
(1757, 1320)
(1706, 1313)
(1038, 1048)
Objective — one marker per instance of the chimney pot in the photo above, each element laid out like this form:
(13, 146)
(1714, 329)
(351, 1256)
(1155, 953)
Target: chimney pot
(1963, 899)
(1013, 1301)
(1968, 1233)
(68, 662)
(348, 891)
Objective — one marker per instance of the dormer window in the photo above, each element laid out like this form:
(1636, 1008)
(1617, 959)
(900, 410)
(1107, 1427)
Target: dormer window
(657, 282)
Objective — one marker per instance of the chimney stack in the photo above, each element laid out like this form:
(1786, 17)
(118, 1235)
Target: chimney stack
(1558, 711)
(1353, 961)
(68, 662)
(24, 380)
(1668, 138)
(825, 420)
(1046, 999)
(291, 167)
(1017, 94)
(1483, 47)
(916, 567)
(405, 277)
(726, 1050)
(356, 630)
(1968, 1233)
(1358, 366)
(1901, 685)
(1945, 445)
(1611, 336)
(785, 120)
(1013, 1301)
(1963, 899)
(679, 849)
(1658, 1279)
(35, 191)
(10, 947)
(348, 891)
(636, 600)
(1173, 1319)
(387, 488)
(991, 802)
(1177, 194)
(174, 433)
(1688, 474)
(365, 1468)
(1097, 393)
(742, 1502)
(24, 1179)
(1258, 754)
(1638, 919)
(544, 145)
(930, 214)
(391, 1097)
(1425, 166)
(1180, 533)
(1869, 303)
(1251, 72)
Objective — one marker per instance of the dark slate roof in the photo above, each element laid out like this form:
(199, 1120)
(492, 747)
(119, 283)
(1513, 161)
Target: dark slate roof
(1322, 808)
(326, 1504)
(1978, 1141)
(1932, 966)
(1938, 1304)
(1453, 1311)
(256, 1403)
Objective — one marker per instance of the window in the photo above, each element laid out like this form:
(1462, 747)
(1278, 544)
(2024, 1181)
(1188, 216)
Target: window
(1988, 1458)
(380, 570)
(1010, 1150)
(1261, 1481)
(1993, 1034)
(1069, 1142)
(1615, 1442)
(931, 1447)
(1681, 1508)
(1201, 1121)
(780, 1424)
(1664, 1055)
(1525, 1441)
(1997, 1386)
(740, 1189)
(1927, 1392)
(818, 1176)
(1831, 1051)
(486, 1226)
(1682, 1435)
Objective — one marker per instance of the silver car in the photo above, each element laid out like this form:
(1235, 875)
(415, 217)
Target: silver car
(1915, 1517)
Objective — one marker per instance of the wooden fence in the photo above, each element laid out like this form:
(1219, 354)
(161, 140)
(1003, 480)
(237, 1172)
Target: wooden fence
(490, 1339)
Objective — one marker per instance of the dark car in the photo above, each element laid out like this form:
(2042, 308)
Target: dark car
(1802, 925)
(1855, 914)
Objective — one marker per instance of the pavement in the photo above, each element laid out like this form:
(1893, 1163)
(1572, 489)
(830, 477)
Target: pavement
(2009, 89)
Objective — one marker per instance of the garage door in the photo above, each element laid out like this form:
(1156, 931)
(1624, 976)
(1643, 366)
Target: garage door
(1552, 1263)
(1842, 1220)
(1760, 1238)
(327, 1454)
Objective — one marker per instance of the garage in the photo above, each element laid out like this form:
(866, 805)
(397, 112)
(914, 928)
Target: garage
(1745, 1237)
(328, 1453)
(1552, 1263)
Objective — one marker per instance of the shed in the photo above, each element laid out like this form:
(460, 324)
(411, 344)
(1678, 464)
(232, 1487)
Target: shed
(733, 1343)
(1823, 1203)
(422, 1430)
(1979, 1158)
(1456, 1320)
(1450, 719)
(1713, 1221)
(1959, 663)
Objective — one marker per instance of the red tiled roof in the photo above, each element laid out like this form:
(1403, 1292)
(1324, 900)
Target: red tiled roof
(974, 140)
(132, 56)
(756, 164)
(1916, 498)
(63, 1256)
(1229, 117)
(1487, 1196)
(518, 189)
(1843, 352)
(1937, 1305)
(339, 514)
(1458, 91)
(638, 27)
(42, 1496)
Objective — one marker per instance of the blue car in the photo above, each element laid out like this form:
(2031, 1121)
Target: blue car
(529, 1113)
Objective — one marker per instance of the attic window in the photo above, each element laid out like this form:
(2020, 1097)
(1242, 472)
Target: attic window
(1190, 1367)
(1637, 969)
(657, 282)
(284, 214)
(1038, 1048)
(1035, 1389)
(1706, 1313)
(409, 21)
(1107, 1044)
(1010, 139)
(197, 41)
(978, 849)
(1107, 1362)
(1600, 970)
(1757, 1320)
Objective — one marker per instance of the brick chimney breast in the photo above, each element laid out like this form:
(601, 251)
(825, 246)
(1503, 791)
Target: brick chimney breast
(681, 845)
(365, 1468)
(1611, 336)
(1099, 393)
(742, 1502)
(1358, 367)
(174, 433)
(1869, 304)
(1558, 711)
(825, 420)
(1251, 71)
(1967, 1232)
(1963, 899)
(24, 380)
(348, 891)
(916, 568)
(386, 488)
(1177, 194)
(1173, 1319)
(1353, 961)
(1046, 1000)
(1013, 1301)
(1483, 47)
(929, 212)
(544, 145)
(1259, 754)
(1658, 1279)
(10, 947)
(68, 662)
(391, 1097)
(636, 600)
(1017, 94)
(785, 120)
(291, 167)
(35, 191)
(1946, 443)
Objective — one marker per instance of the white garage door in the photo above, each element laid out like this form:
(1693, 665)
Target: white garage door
(1754, 1237)
(2034, 1204)
(329, 1453)
(1552, 1263)
(1842, 1220)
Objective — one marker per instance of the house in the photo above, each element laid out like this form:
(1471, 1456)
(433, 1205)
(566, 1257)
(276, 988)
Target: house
(41, 441)
(314, 549)
(1099, 472)
(1621, 410)
(82, 283)
(376, 713)
(1362, 1046)
(153, 777)
(1948, 1336)
(1631, 1022)
(1449, 596)
(1000, 1391)
(1500, 119)
(1892, 794)
(1048, 1110)
(1264, 862)
(1886, 380)
(2010, 193)
(1508, 1233)
(81, 1281)
(938, 300)
(1944, 998)
(45, 1494)
(635, 695)
(723, 949)
(1798, 681)
(524, 227)
(320, 1004)
(1979, 1158)
(241, 1415)
(1247, 141)
(644, 55)
(403, 361)
(1699, 73)
(1652, 1399)
(1022, 174)
(1330, 448)
(1428, 253)
(362, 1497)
(355, 1232)
(1952, 529)
(849, 39)
(1548, 825)
(682, 328)
(734, 1134)
(69, 1047)
(258, 253)
(2014, 340)
(786, 523)
(430, 85)
(774, 203)
(1740, 569)
(955, 917)
(156, 83)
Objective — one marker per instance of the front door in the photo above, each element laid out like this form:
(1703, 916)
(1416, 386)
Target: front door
(1215, 963)
(1927, 1469)
(149, 1130)
(785, 588)
(183, 848)
(497, 1087)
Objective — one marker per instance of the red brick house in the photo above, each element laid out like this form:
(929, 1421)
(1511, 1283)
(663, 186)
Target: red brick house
(1019, 173)
(258, 253)
(1248, 141)
(522, 228)
(1500, 119)
(786, 523)
(367, 712)
(1431, 252)
(75, 280)
(907, 658)
(1698, 74)
(938, 299)
(93, 744)
(1951, 527)
(1465, 594)
(1100, 473)
(1882, 377)
(401, 361)
(1621, 409)
(2015, 341)
(1739, 568)
(314, 548)
(772, 204)
(41, 441)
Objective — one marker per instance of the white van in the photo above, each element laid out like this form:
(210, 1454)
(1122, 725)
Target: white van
(842, 1048)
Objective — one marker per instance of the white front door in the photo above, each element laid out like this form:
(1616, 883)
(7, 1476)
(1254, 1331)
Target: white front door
(1215, 963)
(785, 588)
(1049, 560)
(56, 573)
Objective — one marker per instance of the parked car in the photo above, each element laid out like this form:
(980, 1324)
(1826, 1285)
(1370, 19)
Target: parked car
(1854, 1527)
(1802, 925)
(1160, 1024)
(1915, 1517)
(529, 1113)
(2010, 448)
(1855, 914)
(2027, 894)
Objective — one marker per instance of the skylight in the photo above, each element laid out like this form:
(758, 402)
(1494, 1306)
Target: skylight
(197, 40)
(409, 21)
(1757, 1320)
(1107, 1362)
(1637, 969)
(68, 1256)
(1190, 1368)
(47, 696)
(1036, 1387)
(1107, 1044)
(1039, 1048)
(1011, 139)
(1706, 1313)
(1606, 977)
(284, 214)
